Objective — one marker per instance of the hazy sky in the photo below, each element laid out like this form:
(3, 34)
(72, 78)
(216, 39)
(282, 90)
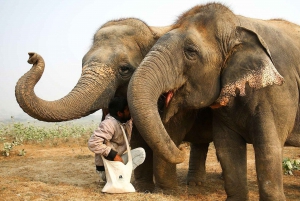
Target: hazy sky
(62, 31)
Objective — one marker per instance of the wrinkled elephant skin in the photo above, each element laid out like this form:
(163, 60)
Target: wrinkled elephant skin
(117, 50)
(246, 70)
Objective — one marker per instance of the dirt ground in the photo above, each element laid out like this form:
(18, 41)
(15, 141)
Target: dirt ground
(65, 171)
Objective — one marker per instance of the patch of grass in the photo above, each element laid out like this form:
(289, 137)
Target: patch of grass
(16, 133)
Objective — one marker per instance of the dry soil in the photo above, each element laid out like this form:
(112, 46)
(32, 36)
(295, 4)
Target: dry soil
(65, 171)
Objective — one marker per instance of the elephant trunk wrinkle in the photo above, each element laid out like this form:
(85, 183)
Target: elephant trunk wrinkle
(143, 96)
(86, 92)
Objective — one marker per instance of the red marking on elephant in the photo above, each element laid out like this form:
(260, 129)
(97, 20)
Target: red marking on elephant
(169, 96)
(216, 105)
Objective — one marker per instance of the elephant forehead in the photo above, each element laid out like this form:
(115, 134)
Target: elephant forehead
(114, 32)
(109, 53)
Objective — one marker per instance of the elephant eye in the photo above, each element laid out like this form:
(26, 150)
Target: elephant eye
(125, 71)
(190, 52)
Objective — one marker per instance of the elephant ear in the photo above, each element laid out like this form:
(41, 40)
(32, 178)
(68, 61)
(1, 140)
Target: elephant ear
(159, 31)
(249, 62)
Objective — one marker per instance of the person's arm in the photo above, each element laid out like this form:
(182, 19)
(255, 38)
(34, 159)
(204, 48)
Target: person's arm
(128, 129)
(102, 134)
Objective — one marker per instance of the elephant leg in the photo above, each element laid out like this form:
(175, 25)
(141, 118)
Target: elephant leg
(143, 174)
(231, 151)
(197, 173)
(165, 176)
(268, 161)
(268, 158)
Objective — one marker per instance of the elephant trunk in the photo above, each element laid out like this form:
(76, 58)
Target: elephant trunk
(143, 93)
(83, 100)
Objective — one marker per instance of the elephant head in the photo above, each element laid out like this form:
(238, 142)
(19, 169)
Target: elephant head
(206, 60)
(117, 50)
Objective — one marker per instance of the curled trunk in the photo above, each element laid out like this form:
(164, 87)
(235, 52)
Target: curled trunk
(143, 93)
(83, 100)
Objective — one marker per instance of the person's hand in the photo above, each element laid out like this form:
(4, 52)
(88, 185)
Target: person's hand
(118, 158)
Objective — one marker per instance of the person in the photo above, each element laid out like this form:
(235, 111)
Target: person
(108, 140)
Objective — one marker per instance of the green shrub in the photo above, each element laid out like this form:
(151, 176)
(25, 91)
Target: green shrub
(31, 132)
(15, 133)
(289, 165)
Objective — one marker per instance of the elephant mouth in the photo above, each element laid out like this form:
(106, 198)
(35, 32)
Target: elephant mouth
(168, 96)
(170, 102)
(163, 103)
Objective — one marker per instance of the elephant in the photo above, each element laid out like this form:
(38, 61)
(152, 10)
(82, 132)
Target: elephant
(246, 70)
(117, 50)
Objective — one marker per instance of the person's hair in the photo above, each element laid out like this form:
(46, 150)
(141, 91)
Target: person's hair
(117, 104)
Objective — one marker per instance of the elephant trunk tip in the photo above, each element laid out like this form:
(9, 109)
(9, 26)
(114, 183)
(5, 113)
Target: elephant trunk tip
(33, 57)
(177, 157)
(31, 53)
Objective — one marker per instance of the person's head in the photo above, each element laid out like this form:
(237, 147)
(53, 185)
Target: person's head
(118, 108)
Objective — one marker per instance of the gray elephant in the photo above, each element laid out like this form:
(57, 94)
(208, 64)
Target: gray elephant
(246, 70)
(118, 48)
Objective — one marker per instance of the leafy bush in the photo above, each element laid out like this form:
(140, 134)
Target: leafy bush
(31, 132)
(15, 133)
(290, 165)
(9, 146)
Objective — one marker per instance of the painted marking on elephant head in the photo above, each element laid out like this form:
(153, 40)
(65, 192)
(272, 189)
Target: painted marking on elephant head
(268, 75)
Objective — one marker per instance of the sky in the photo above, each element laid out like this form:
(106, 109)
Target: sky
(61, 31)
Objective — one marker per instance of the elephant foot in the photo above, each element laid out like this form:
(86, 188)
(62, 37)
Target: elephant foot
(193, 181)
(144, 187)
(166, 191)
